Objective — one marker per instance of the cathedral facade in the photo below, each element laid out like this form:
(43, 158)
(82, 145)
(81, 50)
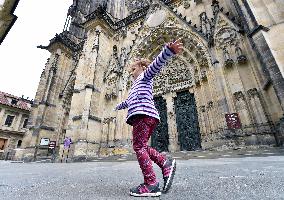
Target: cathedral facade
(225, 90)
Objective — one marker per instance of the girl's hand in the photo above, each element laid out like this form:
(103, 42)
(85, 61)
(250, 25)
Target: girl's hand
(176, 46)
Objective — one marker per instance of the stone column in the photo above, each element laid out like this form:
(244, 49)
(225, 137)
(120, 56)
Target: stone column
(256, 22)
(221, 89)
(256, 105)
(241, 108)
(172, 127)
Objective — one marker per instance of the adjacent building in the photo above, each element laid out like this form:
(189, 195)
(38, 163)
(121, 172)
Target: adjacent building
(7, 17)
(14, 114)
(225, 90)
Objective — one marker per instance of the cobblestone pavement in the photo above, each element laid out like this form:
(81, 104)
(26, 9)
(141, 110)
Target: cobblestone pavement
(231, 174)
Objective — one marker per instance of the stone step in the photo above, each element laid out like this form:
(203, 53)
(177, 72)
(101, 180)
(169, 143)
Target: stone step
(44, 161)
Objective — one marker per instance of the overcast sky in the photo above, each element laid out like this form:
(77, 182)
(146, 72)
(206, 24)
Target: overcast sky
(21, 63)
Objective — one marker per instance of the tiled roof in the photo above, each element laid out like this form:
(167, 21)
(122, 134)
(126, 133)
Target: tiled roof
(21, 104)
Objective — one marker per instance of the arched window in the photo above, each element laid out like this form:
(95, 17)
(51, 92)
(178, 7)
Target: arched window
(19, 144)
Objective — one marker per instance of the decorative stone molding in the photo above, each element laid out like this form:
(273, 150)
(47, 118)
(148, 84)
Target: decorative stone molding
(101, 13)
(65, 39)
(95, 118)
(48, 128)
(225, 37)
(75, 118)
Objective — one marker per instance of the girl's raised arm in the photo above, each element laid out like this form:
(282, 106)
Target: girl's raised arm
(168, 51)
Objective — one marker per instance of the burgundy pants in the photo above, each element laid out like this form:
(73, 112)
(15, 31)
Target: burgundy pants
(143, 127)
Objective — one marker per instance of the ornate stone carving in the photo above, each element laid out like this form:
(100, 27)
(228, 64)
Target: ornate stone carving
(226, 37)
(136, 5)
(210, 105)
(196, 80)
(101, 13)
(97, 41)
(111, 76)
(186, 4)
(215, 7)
(241, 58)
(202, 108)
(176, 75)
(253, 93)
(239, 96)
(123, 57)
(204, 75)
(205, 25)
(107, 120)
(227, 59)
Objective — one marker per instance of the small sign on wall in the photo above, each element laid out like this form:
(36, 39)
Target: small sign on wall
(52, 145)
(44, 141)
(233, 121)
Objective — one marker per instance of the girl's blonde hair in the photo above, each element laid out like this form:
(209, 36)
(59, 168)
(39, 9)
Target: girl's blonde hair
(142, 62)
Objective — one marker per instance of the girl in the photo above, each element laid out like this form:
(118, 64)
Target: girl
(144, 117)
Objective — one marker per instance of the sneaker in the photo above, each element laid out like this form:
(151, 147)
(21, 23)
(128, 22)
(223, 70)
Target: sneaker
(168, 174)
(144, 190)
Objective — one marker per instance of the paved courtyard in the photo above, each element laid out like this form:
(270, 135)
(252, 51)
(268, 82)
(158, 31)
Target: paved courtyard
(235, 176)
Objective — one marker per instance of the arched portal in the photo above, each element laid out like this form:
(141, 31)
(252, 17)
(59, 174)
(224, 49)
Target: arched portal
(181, 74)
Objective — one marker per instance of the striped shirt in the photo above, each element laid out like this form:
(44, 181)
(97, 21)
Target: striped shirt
(140, 99)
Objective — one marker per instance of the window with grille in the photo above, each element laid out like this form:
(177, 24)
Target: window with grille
(9, 120)
(25, 123)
